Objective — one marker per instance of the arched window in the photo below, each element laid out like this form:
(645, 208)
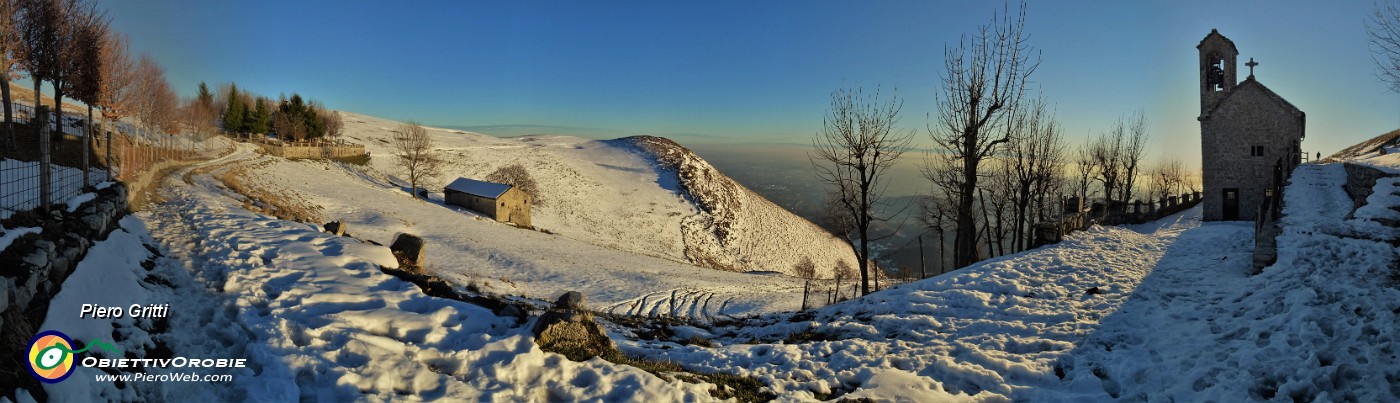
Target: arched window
(1215, 73)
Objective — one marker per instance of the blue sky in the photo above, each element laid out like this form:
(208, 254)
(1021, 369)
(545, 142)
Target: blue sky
(752, 72)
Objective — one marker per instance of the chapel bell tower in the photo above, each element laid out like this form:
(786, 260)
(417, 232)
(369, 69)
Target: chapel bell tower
(1218, 56)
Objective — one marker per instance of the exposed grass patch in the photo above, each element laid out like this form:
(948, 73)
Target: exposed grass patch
(809, 336)
(283, 204)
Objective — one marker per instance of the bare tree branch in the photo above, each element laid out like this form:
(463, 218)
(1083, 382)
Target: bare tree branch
(983, 84)
(416, 155)
(856, 148)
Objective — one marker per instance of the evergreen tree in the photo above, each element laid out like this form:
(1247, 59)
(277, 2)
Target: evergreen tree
(234, 114)
(311, 119)
(259, 121)
(206, 98)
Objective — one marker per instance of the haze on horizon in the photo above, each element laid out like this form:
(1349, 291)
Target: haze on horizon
(742, 72)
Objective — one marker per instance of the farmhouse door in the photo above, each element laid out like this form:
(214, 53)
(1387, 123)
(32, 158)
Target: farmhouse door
(1231, 210)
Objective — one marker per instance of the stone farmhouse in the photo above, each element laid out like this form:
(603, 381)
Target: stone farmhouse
(1246, 129)
(502, 202)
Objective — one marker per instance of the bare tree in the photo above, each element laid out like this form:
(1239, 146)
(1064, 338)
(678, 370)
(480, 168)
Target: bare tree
(1033, 157)
(148, 84)
(517, 176)
(841, 271)
(856, 148)
(416, 155)
(1133, 149)
(78, 21)
(1083, 168)
(167, 110)
(1107, 154)
(39, 25)
(982, 88)
(114, 96)
(935, 211)
(118, 73)
(198, 116)
(1384, 30)
(1048, 169)
(288, 126)
(86, 63)
(805, 269)
(10, 48)
(333, 123)
(997, 195)
(1168, 177)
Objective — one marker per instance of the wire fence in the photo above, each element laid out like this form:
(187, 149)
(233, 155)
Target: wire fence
(42, 168)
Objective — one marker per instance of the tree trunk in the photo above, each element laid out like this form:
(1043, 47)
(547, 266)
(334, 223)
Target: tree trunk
(9, 111)
(1023, 219)
(965, 239)
(986, 223)
(942, 254)
(863, 221)
(863, 256)
(58, 107)
(923, 272)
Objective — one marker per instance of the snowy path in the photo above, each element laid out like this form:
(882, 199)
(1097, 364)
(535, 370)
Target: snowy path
(1313, 327)
(1166, 311)
(319, 321)
(996, 330)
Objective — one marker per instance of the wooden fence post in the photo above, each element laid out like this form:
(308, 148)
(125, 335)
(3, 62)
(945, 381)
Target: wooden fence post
(45, 160)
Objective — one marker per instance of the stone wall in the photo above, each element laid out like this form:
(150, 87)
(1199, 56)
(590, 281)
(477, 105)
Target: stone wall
(1360, 181)
(35, 265)
(1249, 117)
(337, 151)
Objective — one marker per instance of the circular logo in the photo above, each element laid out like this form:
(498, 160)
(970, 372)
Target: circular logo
(51, 356)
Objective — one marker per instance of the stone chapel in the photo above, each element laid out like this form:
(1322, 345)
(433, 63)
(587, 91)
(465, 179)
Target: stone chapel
(1245, 130)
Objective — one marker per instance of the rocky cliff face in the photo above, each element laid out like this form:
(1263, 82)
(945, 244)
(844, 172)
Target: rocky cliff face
(736, 229)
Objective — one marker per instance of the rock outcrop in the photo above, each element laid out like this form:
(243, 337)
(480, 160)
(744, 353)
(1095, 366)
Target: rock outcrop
(568, 329)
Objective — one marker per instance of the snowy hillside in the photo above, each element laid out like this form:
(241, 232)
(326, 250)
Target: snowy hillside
(1169, 310)
(1165, 311)
(311, 313)
(468, 249)
(643, 195)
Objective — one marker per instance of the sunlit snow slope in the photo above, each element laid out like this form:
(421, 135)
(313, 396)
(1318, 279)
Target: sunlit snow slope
(644, 195)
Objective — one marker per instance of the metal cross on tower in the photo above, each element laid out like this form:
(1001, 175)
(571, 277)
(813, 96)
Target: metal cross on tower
(1251, 65)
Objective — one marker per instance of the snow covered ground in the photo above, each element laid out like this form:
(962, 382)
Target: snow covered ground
(313, 315)
(1165, 311)
(21, 184)
(996, 330)
(614, 194)
(615, 218)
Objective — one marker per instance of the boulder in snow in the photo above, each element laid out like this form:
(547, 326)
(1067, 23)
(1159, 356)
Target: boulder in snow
(408, 247)
(336, 227)
(569, 330)
(570, 300)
